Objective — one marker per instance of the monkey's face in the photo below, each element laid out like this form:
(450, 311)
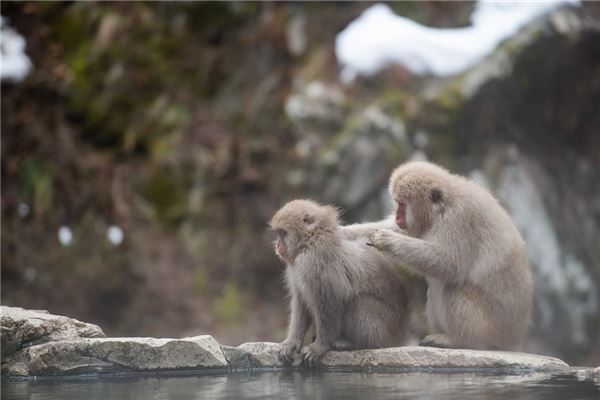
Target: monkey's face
(281, 248)
(299, 225)
(401, 210)
(418, 199)
(289, 241)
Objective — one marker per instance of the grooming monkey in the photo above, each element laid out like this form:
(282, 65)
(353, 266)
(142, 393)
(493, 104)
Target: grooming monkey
(347, 289)
(464, 243)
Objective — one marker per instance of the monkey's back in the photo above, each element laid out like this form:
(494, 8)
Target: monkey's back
(379, 310)
(491, 253)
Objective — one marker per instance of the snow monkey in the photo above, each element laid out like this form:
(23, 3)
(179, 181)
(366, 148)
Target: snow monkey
(463, 242)
(346, 288)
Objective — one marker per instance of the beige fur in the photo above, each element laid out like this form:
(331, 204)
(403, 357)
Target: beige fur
(346, 288)
(472, 255)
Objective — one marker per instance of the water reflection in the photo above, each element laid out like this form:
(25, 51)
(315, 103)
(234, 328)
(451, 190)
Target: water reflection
(296, 385)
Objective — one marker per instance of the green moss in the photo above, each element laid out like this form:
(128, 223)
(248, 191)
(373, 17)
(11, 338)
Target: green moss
(73, 26)
(410, 9)
(393, 101)
(36, 177)
(166, 192)
(200, 281)
(451, 99)
(230, 306)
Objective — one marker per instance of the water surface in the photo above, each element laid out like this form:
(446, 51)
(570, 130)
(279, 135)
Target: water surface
(297, 385)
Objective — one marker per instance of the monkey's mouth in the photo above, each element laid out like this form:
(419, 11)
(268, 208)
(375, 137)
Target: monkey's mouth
(401, 214)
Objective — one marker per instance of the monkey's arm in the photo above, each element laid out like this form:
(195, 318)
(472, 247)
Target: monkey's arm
(299, 320)
(299, 323)
(423, 257)
(362, 231)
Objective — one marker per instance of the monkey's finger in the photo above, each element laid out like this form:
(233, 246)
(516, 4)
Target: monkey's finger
(285, 356)
(306, 358)
(289, 356)
(370, 244)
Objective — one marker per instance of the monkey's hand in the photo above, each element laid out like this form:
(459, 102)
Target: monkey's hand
(382, 239)
(288, 348)
(312, 353)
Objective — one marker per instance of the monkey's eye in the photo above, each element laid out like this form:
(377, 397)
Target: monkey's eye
(281, 232)
(435, 195)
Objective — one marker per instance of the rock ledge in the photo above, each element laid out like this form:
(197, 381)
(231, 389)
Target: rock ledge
(35, 343)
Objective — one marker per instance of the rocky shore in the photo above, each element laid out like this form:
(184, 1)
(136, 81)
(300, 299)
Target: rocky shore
(36, 343)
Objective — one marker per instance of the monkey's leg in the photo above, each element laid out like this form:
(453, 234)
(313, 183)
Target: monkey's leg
(372, 322)
(342, 344)
(328, 325)
(299, 323)
(437, 340)
(471, 319)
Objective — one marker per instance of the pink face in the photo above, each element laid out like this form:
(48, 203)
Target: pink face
(401, 214)
(280, 246)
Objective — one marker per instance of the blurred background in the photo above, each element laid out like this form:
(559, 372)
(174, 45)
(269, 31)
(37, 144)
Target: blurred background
(146, 145)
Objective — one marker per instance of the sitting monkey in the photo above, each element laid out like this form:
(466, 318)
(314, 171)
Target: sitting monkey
(347, 289)
(456, 235)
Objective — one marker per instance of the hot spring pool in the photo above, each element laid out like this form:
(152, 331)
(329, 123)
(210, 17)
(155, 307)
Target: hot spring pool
(297, 385)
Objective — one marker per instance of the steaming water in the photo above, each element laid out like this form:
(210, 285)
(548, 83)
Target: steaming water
(347, 385)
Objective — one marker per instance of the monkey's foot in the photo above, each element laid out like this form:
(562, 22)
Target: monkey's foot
(342, 345)
(437, 340)
(287, 350)
(312, 353)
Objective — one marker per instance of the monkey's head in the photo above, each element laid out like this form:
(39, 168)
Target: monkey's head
(301, 224)
(420, 192)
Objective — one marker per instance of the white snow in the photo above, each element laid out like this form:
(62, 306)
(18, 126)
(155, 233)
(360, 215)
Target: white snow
(14, 63)
(115, 235)
(23, 210)
(378, 38)
(30, 274)
(65, 235)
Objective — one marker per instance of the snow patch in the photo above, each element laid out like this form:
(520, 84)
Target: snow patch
(14, 63)
(378, 38)
(65, 235)
(23, 210)
(115, 235)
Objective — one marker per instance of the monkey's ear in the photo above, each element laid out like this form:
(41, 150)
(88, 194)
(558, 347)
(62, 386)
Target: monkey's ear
(435, 195)
(308, 219)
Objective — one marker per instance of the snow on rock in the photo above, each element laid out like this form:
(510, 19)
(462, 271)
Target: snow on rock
(379, 38)
(14, 63)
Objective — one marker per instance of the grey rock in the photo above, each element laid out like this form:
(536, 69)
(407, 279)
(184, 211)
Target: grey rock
(117, 355)
(61, 349)
(264, 355)
(256, 355)
(416, 357)
(21, 328)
